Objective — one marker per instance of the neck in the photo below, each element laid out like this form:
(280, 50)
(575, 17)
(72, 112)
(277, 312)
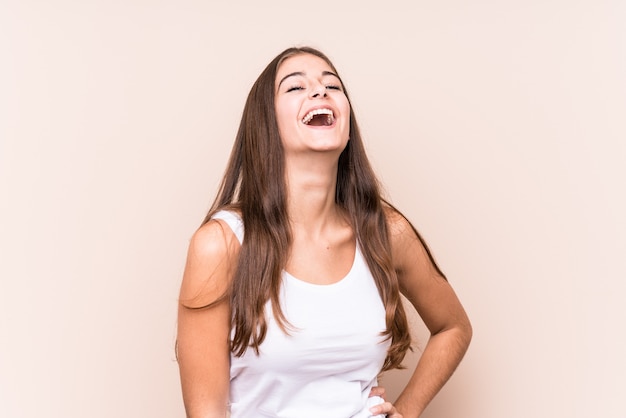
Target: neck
(311, 188)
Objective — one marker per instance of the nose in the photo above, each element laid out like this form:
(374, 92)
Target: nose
(318, 91)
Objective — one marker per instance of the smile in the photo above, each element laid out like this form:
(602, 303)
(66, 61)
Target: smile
(319, 117)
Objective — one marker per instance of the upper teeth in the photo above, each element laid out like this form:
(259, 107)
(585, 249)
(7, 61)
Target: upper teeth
(312, 113)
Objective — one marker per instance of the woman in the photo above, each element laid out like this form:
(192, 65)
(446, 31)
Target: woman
(290, 300)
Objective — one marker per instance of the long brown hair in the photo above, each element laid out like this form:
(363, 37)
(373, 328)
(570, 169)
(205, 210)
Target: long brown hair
(254, 184)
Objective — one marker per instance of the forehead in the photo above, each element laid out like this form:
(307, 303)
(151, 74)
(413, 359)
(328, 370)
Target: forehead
(307, 64)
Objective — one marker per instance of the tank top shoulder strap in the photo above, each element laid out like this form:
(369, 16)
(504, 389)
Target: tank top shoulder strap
(233, 220)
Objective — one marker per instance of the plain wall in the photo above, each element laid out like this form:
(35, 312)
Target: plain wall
(498, 127)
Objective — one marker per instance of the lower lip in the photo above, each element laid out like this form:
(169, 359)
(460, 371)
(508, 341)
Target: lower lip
(321, 126)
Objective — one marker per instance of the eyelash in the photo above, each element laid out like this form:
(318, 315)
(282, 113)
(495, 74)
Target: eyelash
(331, 87)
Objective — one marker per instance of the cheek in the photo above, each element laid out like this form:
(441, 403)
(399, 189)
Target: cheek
(285, 112)
(345, 109)
(285, 117)
(281, 117)
(344, 105)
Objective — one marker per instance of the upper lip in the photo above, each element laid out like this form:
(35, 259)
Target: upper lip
(325, 107)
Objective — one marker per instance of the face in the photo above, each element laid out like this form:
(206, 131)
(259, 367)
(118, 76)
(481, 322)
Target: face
(312, 111)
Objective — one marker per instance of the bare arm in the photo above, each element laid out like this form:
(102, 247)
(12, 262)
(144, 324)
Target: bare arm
(203, 334)
(437, 304)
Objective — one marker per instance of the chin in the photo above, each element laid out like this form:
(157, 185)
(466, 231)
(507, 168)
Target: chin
(327, 146)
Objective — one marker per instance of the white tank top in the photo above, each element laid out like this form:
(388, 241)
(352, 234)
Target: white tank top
(327, 365)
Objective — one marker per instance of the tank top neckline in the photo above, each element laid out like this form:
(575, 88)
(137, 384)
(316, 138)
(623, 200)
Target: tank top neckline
(233, 219)
(345, 280)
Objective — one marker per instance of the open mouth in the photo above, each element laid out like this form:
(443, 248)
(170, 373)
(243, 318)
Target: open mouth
(319, 117)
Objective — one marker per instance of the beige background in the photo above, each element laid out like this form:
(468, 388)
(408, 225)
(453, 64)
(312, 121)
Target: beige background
(499, 128)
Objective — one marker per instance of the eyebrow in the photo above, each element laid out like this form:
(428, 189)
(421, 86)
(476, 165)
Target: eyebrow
(301, 74)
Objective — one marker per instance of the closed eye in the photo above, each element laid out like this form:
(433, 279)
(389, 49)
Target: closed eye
(333, 87)
(294, 88)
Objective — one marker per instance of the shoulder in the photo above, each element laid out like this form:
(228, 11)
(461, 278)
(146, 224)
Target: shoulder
(212, 239)
(399, 227)
(211, 259)
(409, 250)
